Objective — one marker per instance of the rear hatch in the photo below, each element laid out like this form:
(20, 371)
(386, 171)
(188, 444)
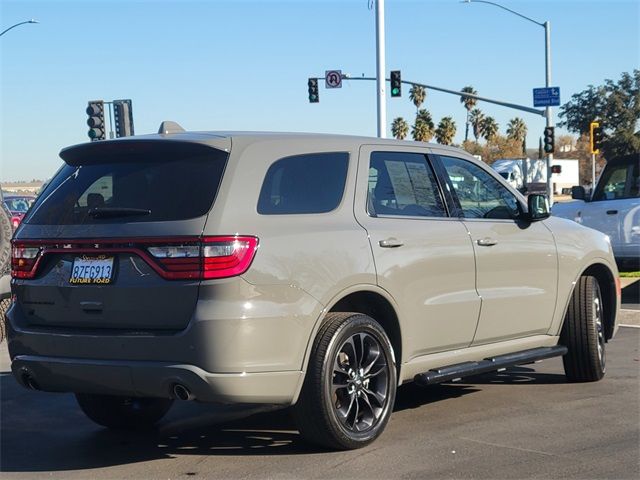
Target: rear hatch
(114, 241)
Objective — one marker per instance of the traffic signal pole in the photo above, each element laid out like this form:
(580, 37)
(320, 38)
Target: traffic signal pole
(548, 111)
(380, 67)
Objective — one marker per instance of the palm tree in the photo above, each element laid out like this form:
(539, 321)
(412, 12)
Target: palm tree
(517, 130)
(475, 118)
(468, 103)
(426, 129)
(489, 128)
(417, 94)
(421, 132)
(446, 131)
(400, 128)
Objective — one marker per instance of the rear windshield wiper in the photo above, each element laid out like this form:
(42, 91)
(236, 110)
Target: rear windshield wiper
(110, 212)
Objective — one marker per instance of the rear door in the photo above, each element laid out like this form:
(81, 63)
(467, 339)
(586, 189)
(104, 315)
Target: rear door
(516, 262)
(112, 241)
(423, 257)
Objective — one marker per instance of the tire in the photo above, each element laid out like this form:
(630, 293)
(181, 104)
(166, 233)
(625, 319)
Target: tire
(123, 413)
(350, 386)
(4, 306)
(583, 333)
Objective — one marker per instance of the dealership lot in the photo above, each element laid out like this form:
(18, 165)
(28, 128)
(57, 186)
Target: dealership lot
(523, 423)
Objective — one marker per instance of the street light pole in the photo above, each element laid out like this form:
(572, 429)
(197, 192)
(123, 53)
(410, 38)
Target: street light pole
(18, 24)
(547, 67)
(380, 68)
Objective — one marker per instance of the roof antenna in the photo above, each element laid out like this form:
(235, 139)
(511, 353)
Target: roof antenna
(167, 127)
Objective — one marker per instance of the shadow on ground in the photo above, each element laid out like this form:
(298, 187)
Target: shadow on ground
(47, 432)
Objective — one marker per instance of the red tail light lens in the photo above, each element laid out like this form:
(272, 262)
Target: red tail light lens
(24, 260)
(212, 257)
(227, 256)
(186, 258)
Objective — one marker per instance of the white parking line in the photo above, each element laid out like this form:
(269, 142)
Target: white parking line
(629, 326)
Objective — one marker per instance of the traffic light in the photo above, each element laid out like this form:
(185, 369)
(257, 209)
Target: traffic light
(549, 140)
(123, 118)
(556, 168)
(313, 90)
(396, 84)
(95, 110)
(595, 137)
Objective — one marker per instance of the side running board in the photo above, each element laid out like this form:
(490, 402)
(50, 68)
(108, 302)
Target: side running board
(467, 369)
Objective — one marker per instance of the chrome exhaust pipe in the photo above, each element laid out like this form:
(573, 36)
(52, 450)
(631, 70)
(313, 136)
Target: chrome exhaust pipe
(182, 393)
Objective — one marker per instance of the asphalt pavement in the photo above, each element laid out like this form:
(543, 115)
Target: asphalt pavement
(522, 423)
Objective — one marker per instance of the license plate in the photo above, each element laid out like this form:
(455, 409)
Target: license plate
(92, 270)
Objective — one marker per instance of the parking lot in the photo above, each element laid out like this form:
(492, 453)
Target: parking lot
(523, 423)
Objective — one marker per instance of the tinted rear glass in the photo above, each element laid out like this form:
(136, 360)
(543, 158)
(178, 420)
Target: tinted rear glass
(310, 183)
(157, 185)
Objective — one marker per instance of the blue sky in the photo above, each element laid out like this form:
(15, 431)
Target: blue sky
(241, 65)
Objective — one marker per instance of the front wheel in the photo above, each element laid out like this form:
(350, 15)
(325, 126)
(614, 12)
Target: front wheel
(123, 413)
(350, 385)
(583, 333)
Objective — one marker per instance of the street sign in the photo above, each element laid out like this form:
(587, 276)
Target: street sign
(546, 97)
(333, 79)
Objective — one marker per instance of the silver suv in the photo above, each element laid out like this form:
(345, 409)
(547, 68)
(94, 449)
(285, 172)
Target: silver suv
(319, 271)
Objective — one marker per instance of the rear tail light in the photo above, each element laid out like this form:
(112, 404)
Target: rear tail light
(193, 258)
(24, 260)
(211, 257)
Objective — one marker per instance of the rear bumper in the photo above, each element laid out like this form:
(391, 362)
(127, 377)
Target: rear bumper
(154, 379)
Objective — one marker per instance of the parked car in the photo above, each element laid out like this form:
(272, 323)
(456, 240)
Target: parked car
(5, 261)
(613, 208)
(18, 206)
(319, 271)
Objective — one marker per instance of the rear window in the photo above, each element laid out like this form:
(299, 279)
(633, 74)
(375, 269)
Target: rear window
(310, 183)
(158, 184)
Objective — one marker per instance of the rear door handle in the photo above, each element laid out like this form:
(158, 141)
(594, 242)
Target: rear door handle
(486, 242)
(390, 243)
(612, 212)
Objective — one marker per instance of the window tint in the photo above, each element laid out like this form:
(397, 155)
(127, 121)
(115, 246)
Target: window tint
(162, 187)
(619, 181)
(480, 195)
(403, 184)
(310, 183)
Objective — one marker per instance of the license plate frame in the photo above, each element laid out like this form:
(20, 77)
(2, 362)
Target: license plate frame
(92, 270)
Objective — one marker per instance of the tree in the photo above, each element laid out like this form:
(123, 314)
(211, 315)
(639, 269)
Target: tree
(517, 130)
(446, 131)
(421, 132)
(497, 147)
(400, 128)
(616, 105)
(468, 103)
(475, 118)
(417, 95)
(426, 130)
(488, 128)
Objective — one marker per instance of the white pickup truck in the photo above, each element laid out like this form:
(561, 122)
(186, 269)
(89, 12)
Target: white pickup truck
(613, 208)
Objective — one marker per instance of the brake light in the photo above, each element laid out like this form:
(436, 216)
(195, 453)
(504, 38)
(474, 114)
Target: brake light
(227, 256)
(212, 257)
(24, 260)
(183, 258)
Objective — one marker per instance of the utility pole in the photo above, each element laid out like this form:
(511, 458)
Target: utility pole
(380, 68)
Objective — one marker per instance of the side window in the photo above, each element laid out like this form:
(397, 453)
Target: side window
(310, 183)
(619, 181)
(480, 195)
(403, 184)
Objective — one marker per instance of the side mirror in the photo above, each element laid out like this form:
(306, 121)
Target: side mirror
(538, 207)
(578, 193)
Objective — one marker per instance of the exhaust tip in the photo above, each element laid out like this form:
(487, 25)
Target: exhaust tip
(29, 381)
(182, 393)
